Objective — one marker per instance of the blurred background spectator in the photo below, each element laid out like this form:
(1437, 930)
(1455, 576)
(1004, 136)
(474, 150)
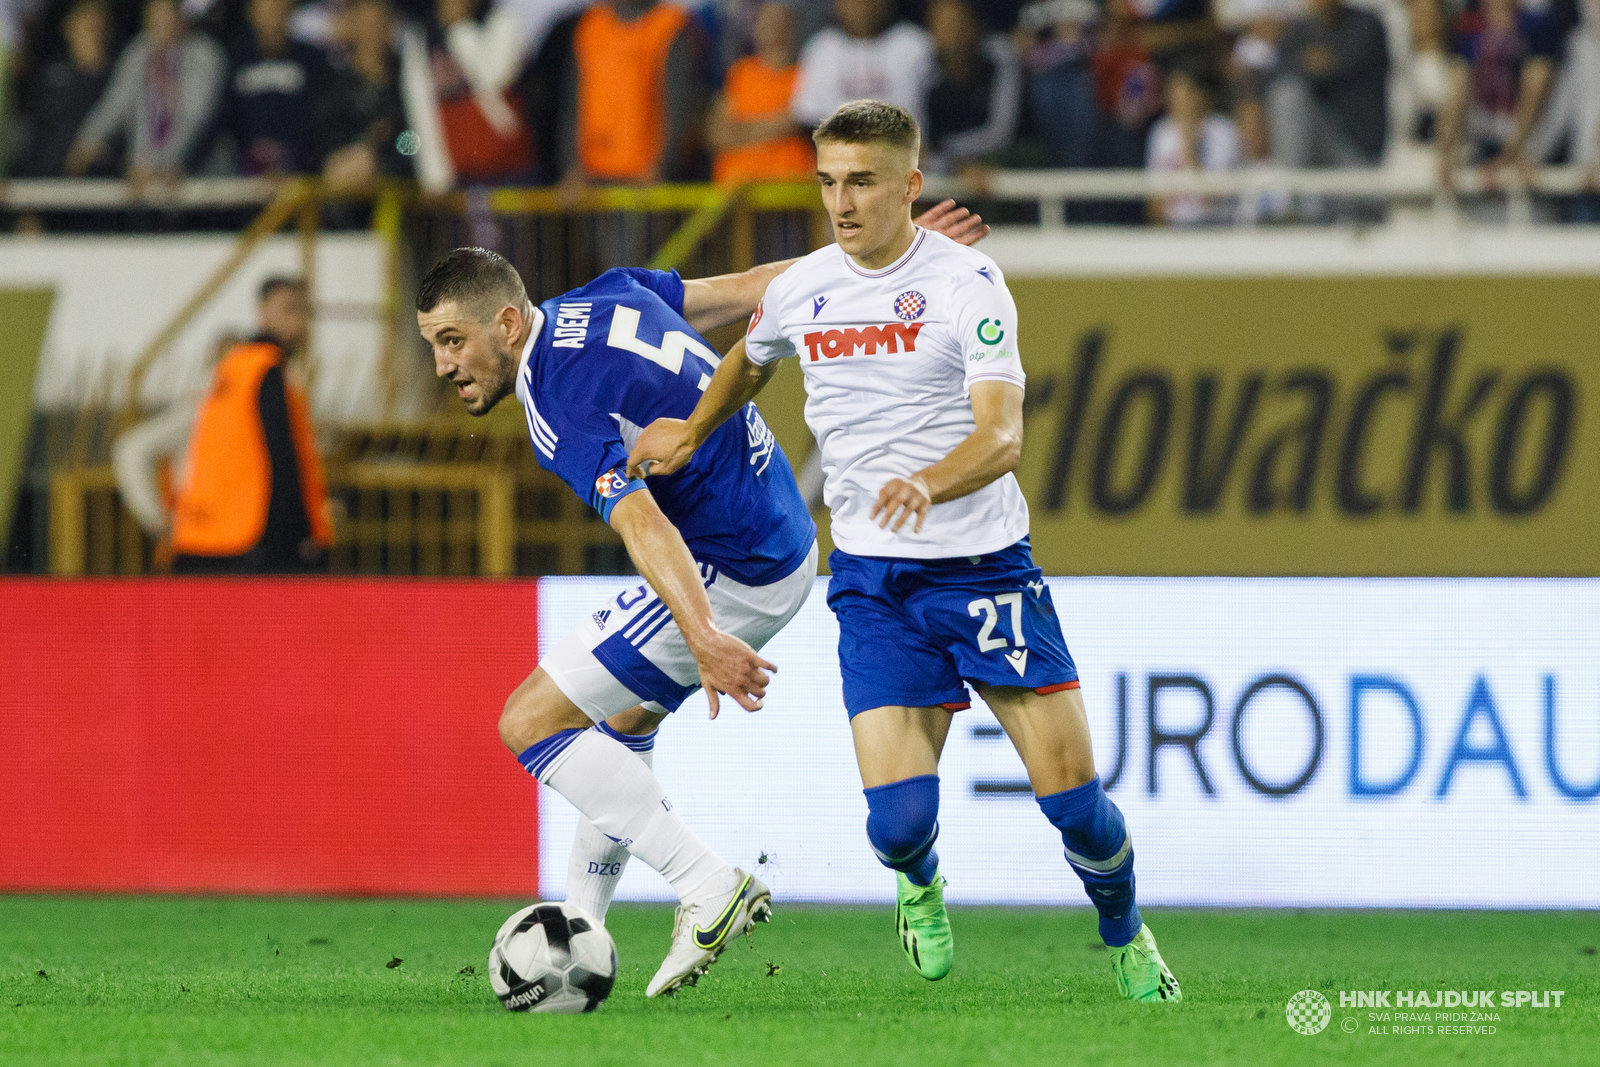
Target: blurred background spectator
(866, 54)
(1056, 39)
(635, 95)
(65, 90)
(977, 91)
(1504, 57)
(1193, 136)
(1127, 86)
(248, 496)
(361, 118)
(272, 91)
(1328, 101)
(471, 67)
(164, 92)
(750, 129)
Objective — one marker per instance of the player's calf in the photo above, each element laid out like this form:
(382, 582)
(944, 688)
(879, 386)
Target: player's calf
(1100, 852)
(902, 825)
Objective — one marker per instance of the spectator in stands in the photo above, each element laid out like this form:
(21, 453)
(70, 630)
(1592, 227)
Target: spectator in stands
(1127, 86)
(977, 93)
(1504, 58)
(1573, 114)
(1427, 74)
(864, 57)
(272, 89)
(66, 90)
(1192, 136)
(635, 98)
(1328, 103)
(1056, 39)
(750, 129)
(163, 96)
(360, 119)
(471, 69)
(250, 498)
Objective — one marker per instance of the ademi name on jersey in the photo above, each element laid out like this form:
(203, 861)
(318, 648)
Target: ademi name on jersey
(871, 340)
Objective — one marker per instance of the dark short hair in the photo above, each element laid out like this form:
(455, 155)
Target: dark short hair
(870, 122)
(275, 282)
(478, 280)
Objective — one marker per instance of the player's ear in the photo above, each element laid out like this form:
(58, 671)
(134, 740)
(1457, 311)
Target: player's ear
(913, 185)
(508, 322)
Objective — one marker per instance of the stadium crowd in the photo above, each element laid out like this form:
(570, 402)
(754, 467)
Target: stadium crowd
(572, 92)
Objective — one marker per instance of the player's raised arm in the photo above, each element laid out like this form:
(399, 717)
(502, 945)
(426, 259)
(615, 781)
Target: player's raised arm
(727, 664)
(712, 302)
(667, 445)
(992, 449)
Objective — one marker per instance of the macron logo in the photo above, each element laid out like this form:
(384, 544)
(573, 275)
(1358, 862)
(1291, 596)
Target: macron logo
(984, 271)
(816, 305)
(871, 340)
(1018, 660)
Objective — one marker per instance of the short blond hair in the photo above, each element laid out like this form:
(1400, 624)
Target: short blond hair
(871, 122)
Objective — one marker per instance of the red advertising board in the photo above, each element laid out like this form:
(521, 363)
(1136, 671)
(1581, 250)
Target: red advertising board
(264, 736)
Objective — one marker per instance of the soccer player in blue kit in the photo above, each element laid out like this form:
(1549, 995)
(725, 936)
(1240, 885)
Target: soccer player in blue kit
(726, 546)
(914, 384)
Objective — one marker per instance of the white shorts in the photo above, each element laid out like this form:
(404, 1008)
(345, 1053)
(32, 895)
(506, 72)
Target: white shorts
(631, 652)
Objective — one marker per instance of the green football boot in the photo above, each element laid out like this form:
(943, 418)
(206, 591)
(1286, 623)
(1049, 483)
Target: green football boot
(1142, 974)
(924, 927)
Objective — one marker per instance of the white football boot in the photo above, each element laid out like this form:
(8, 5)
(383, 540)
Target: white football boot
(703, 928)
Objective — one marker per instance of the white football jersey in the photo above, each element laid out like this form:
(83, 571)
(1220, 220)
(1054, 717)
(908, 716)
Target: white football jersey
(888, 357)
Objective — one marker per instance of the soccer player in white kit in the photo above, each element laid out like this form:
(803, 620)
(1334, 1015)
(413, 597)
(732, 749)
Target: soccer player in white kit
(908, 343)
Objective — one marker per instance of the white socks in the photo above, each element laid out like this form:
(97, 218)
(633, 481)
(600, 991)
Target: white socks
(597, 862)
(619, 795)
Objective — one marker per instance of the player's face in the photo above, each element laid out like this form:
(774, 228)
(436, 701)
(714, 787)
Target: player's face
(868, 190)
(477, 357)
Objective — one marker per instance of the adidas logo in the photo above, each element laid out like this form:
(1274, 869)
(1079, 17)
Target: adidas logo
(600, 618)
(1019, 660)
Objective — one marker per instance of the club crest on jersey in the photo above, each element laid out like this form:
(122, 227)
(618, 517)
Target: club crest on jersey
(610, 484)
(910, 305)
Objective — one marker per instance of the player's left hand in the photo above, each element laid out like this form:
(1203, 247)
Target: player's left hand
(901, 500)
(663, 448)
(954, 222)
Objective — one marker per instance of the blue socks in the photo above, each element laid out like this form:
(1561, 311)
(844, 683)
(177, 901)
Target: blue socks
(636, 743)
(902, 824)
(1100, 851)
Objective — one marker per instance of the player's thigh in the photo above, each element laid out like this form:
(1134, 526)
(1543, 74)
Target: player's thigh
(538, 709)
(894, 743)
(636, 720)
(1050, 731)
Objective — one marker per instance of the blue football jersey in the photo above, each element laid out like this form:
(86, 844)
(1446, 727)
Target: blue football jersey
(606, 360)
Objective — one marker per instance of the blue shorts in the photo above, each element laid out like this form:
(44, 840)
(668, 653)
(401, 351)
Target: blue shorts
(912, 630)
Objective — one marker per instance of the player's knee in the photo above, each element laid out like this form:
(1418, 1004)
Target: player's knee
(903, 818)
(534, 711)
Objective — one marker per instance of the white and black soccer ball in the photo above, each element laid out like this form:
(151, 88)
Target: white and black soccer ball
(552, 957)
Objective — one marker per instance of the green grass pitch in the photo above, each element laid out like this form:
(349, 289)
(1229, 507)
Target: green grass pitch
(229, 981)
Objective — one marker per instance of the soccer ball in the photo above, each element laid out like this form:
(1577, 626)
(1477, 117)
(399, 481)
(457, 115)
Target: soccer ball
(552, 957)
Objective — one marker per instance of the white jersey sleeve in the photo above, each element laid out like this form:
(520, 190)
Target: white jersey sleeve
(764, 340)
(986, 329)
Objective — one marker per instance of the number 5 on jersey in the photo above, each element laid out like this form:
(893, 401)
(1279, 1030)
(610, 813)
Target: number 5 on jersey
(989, 610)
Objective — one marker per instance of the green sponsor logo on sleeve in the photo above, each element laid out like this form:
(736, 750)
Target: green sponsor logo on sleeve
(991, 335)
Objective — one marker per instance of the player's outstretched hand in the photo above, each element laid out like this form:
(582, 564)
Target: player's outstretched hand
(663, 448)
(954, 222)
(901, 500)
(728, 665)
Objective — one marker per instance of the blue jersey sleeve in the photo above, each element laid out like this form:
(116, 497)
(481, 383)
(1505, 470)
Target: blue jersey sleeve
(588, 452)
(667, 284)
